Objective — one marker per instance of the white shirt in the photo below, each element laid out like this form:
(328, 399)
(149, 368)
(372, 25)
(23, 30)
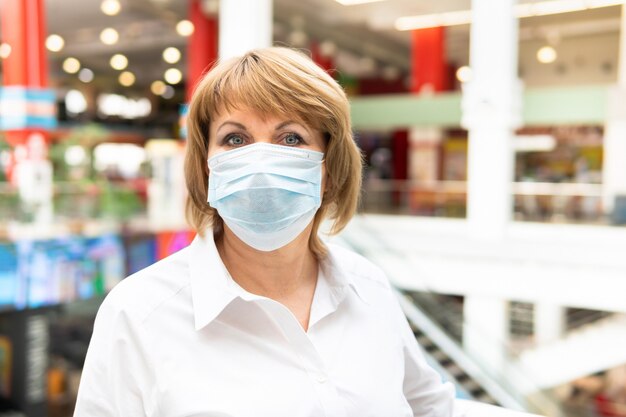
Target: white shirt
(182, 339)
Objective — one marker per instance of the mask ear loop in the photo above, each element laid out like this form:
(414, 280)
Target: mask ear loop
(208, 180)
(329, 182)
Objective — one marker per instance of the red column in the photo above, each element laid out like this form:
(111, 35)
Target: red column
(400, 161)
(429, 72)
(428, 60)
(24, 29)
(202, 47)
(327, 63)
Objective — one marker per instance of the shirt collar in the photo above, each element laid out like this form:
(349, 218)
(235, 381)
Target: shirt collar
(338, 276)
(212, 288)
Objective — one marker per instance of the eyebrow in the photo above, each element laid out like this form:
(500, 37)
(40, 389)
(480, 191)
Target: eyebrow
(291, 122)
(238, 125)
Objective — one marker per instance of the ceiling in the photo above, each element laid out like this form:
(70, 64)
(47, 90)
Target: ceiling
(146, 27)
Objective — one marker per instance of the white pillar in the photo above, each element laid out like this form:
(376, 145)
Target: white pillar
(166, 195)
(549, 322)
(244, 25)
(614, 169)
(621, 71)
(485, 331)
(491, 111)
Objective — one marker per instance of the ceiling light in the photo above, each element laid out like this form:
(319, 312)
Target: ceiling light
(5, 50)
(85, 75)
(173, 76)
(523, 10)
(71, 65)
(128, 108)
(168, 93)
(544, 8)
(354, 2)
(75, 102)
(464, 74)
(534, 143)
(328, 48)
(592, 4)
(546, 55)
(418, 22)
(461, 17)
(119, 62)
(298, 38)
(171, 55)
(210, 7)
(367, 64)
(157, 87)
(127, 78)
(110, 7)
(54, 43)
(184, 28)
(75, 154)
(390, 73)
(109, 36)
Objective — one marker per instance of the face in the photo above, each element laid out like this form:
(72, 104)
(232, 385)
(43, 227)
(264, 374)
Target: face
(232, 130)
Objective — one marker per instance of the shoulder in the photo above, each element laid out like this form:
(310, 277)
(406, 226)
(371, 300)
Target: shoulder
(370, 281)
(360, 269)
(137, 296)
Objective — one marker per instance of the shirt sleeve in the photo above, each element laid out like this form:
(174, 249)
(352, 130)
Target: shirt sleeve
(423, 388)
(115, 377)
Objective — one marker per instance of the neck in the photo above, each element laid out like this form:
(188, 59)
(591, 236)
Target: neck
(282, 274)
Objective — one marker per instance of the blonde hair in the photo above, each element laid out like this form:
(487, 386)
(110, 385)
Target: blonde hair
(284, 82)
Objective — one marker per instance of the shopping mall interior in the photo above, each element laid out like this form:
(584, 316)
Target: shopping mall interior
(494, 189)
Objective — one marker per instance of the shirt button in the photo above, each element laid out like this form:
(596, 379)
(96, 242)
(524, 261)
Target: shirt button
(321, 378)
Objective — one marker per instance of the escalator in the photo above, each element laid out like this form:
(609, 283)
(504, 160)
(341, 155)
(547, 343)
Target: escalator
(455, 373)
(447, 357)
(451, 321)
(445, 310)
(438, 327)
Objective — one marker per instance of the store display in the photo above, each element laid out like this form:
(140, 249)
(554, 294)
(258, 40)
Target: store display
(5, 366)
(619, 211)
(8, 276)
(50, 270)
(105, 263)
(141, 251)
(165, 189)
(169, 242)
(38, 273)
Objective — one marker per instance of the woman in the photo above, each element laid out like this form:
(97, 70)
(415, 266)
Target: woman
(258, 317)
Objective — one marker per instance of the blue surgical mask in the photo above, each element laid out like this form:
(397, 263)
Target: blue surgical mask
(266, 194)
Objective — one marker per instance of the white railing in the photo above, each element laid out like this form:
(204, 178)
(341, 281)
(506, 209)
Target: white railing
(534, 201)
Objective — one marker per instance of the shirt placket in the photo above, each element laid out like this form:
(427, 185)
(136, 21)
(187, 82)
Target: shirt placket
(313, 364)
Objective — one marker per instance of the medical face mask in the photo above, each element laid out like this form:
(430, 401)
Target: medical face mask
(266, 194)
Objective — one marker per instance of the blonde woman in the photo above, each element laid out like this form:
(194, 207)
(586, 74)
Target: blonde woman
(258, 317)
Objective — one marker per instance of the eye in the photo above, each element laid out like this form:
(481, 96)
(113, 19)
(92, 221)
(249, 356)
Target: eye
(292, 139)
(234, 140)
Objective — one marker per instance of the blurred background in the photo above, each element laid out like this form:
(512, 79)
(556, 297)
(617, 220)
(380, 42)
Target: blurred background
(494, 134)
